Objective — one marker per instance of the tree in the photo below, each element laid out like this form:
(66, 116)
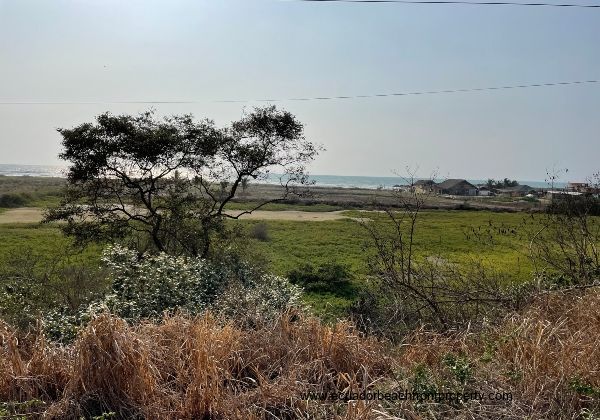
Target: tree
(165, 183)
(505, 183)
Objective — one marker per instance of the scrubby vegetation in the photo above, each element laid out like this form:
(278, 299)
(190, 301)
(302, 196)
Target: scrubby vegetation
(183, 337)
(539, 363)
(26, 191)
(188, 368)
(396, 313)
(13, 200)
(327, 278)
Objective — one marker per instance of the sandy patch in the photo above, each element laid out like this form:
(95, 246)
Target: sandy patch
(311, 216)
(35, 215)
(22, 215)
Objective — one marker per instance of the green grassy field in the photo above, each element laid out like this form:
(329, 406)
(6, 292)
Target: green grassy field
(291, 244)
(439, 233)
(445, 234)
(38, 238)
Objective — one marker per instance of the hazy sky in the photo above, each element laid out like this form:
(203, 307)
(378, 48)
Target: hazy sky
(211, 50)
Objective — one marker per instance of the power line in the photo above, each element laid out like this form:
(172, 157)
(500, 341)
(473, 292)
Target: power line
(98, 102)
(431, 92)
(316, 98)
(470, 3)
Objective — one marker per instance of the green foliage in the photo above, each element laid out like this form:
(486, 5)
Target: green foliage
(25, 199)
(33, 283)
(571, 207)
(14, 410)
(146, 288)
(491, 347)
(327, 306)
(329, 277)
(258, 299)
(567, 246)
(169, 180)
(16, 191)
(422, 381)
(442, 233)
(514, 375)
(283, 205)
(460, 367)
(40, 239)
(292, 244)
(260, 231)
(583, 388)
(13, 200)
(505, 183)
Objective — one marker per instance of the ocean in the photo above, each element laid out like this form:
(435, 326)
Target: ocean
(340, 181)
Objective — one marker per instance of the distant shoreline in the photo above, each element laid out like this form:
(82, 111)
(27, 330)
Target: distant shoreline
(329, 181)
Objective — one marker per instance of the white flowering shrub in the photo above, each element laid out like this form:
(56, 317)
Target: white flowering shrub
(259, 300)
(146, 288)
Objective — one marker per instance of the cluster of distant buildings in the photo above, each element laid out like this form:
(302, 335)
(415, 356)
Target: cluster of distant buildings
(462, 187)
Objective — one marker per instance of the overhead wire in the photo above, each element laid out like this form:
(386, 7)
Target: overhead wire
(300, 99)
(459, 2)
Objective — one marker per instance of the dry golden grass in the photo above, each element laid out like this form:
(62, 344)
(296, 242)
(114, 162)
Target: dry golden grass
(190, 368)
(548, 357)
(553, 345)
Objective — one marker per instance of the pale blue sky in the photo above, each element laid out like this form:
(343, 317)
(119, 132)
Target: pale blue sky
(209, 50)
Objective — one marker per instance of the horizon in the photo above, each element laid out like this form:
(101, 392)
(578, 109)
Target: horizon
(492, 89)
(390, 177)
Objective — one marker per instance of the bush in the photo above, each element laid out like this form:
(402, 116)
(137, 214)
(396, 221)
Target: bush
(13, 200)
(564, 241)
(33, 283)
(260, 232)
(439, 295)
(189, 368)
(259, 301)
(327, 278)
(144, 289)
(542, 362)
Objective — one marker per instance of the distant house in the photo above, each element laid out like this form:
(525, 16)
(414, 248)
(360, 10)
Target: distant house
(578, 187)
(561, 194)
(518, 191)
(583, 187)
(484, 191)
(425, 186)
(456, 187)
(400, 187)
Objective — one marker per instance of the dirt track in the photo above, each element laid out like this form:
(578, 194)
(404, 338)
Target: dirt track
(22, 215)
(34, 215)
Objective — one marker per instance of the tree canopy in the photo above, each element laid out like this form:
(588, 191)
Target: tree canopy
(504, 183)
(166, 182)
